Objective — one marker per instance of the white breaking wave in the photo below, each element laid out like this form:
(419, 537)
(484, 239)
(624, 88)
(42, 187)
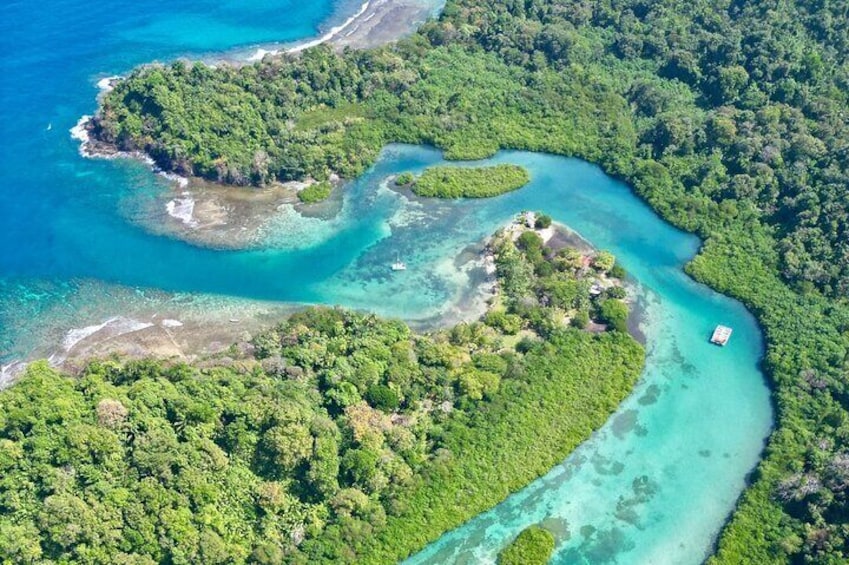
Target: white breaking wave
(183, 209)
(108, 83)
(334, 31)
(260, 53)
(76, 335)
(117, 326)
(10, 372)
(79, 131)
(183, 182)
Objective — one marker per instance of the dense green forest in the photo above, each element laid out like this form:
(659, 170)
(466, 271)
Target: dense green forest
(729, 117)
(468, 182)
(340, 438)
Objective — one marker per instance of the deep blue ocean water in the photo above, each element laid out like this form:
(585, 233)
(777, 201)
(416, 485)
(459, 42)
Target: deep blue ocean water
(653, 486)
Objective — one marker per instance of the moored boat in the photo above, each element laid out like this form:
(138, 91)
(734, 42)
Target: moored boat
(721, 335)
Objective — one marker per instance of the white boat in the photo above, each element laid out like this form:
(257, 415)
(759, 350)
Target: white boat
(721, 335)
(399, 265)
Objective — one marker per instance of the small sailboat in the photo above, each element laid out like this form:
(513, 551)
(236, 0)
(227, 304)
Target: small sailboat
(399, 265)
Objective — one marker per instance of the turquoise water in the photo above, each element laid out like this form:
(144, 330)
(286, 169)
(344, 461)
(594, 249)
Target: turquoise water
(62, 227)
(657, 482)
(654, 486)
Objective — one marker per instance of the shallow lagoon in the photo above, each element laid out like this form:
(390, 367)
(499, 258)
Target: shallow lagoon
(653, 486)
(658, 481)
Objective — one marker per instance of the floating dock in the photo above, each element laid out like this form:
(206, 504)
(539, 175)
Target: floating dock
(721, 335)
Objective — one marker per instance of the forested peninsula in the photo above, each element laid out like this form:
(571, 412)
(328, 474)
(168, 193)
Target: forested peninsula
(338, 437)
(729, 118)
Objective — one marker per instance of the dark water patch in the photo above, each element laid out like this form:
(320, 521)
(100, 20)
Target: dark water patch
(466, 559)
(476, 538)
(624, 422)
(704, 453)
(599, 548)
(644, 488)
(573, 464)
(565, 237)
(559, 528)
(626, 512)
(626, 508)
(604, 466)
(537, 497)
(469, 253)
(650, 396)
(689, 369)
(636, 318)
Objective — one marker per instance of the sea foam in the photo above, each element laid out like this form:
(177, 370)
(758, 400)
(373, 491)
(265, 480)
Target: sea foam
(116, 326)
(79, 131)
(333, 32)
(108, 83)
(9, 373)
(183, 209)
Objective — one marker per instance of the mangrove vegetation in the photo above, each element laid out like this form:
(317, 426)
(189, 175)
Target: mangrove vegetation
(533, 546)
(730, 118)
(470, 182)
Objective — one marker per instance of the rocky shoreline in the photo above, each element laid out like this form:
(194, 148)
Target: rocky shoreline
(210, 215)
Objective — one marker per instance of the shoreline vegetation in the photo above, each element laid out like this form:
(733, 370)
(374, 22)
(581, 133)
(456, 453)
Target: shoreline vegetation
(466, 182)
(335, 437)
(221, 221)
(731, 126)
(533, 546)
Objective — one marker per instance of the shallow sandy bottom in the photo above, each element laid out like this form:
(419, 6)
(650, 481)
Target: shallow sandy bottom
(220, 217)
(385, 21)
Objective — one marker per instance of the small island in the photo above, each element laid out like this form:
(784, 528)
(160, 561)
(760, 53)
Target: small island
(316, 192)
(466, 182)
(533, 546)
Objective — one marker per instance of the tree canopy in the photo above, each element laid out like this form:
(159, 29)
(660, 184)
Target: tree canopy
(533, 546)
(340, 438)
(464, 182)
(729, 118)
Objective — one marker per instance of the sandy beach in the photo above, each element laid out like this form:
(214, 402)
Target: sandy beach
(384, 21)
(376, 23)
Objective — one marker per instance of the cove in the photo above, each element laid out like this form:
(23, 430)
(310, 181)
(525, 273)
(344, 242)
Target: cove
(654, 485)
(657, 482)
